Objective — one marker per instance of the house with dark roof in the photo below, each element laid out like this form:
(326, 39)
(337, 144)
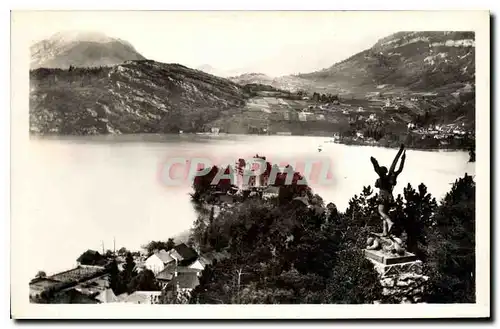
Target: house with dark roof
(184, 282)
(184, 254)
(171, 271)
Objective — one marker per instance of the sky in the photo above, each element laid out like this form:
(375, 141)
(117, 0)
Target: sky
(274, 43)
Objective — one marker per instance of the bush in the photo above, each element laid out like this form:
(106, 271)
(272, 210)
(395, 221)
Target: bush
(353, 280)
(91, 257)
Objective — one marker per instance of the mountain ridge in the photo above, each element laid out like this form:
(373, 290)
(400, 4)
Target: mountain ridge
(134, 97)
(81, 49)
(417, 61)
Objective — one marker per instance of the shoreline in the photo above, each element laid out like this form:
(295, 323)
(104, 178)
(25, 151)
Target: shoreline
(329, 139)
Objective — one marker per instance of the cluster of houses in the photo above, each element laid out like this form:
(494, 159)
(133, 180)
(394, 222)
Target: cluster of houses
(176, 270)
(180, 266)
(85, 284)
(439, 131)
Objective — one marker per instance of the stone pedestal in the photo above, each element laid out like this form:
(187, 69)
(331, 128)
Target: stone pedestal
(387, 264)
(401, 276)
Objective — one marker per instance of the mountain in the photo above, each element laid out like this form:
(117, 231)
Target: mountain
(141, 96)
(81, 49)
(415, 61)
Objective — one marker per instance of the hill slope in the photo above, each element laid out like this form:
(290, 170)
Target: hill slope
(81, 49)
(134, 97)
(418, 61)
(288, 82)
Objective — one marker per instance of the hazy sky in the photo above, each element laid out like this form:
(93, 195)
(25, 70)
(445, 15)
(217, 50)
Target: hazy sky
(275, 43)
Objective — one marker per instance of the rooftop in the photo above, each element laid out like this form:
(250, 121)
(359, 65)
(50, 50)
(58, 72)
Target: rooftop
(164, 256)
(168, 272)
(40, 284)
(187, 253)
(77, 274)
(185, 281)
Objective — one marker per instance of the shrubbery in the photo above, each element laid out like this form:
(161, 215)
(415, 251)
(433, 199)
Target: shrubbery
(290, 252)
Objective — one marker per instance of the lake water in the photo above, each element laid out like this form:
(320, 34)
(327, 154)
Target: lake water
(85, 191)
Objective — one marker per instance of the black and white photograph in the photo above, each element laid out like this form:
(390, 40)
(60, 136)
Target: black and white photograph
(234, 158)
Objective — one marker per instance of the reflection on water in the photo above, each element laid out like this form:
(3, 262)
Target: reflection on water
(85, 190)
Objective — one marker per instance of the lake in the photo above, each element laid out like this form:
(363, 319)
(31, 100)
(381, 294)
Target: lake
(86, 191)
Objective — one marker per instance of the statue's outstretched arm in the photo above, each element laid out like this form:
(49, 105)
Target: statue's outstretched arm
(401, 165)
(375, 165)
(393, 166)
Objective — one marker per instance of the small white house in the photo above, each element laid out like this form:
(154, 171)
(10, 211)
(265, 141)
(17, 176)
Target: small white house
(197, 265)
(157, 261)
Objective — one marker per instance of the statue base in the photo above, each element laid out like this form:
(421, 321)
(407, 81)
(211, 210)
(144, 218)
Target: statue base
(389, 259)
(400, 276)
(387, 264)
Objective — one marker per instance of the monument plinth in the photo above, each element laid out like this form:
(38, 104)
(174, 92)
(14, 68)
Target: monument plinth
(389, 259)
(389, 264)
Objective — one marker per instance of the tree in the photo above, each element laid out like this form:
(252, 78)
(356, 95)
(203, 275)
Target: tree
(316, 97)
(144, 281)
(353, 280)
(114, 278)
(170, 244)
(202, 184)
(417, 218)
(122, 251)
(154, 246)
(451, 253)
(91, 257)
(128, 272)
(40, 275)
(129, 264)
